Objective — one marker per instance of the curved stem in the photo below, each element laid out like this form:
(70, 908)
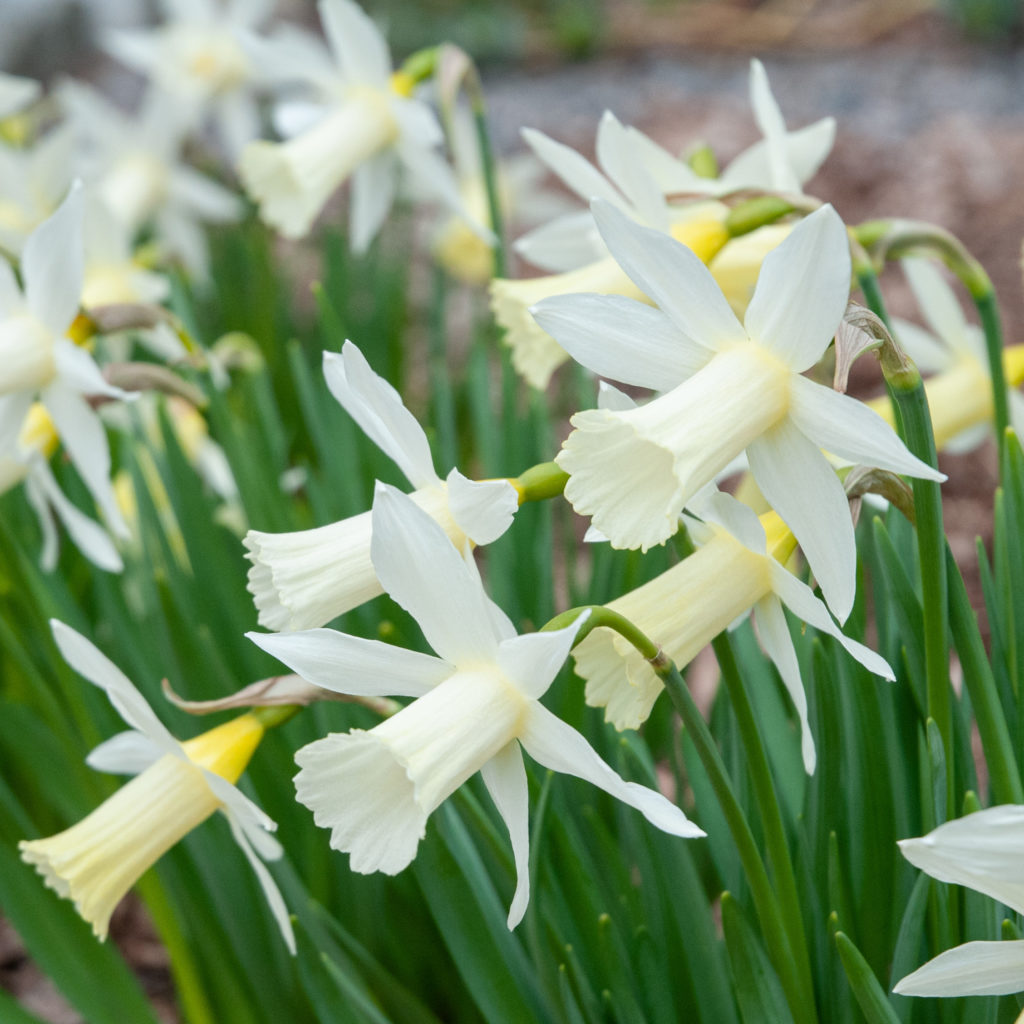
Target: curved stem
(988, 311)
(789, 959)
(914, 424)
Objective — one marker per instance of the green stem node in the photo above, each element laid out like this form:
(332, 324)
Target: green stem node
(545, 480)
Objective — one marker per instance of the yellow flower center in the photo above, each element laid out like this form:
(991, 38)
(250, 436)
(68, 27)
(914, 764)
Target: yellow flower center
(38, 432)
(402, 84)
(227, 749)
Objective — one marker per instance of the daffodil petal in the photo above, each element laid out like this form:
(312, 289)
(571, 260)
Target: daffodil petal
(270, 890)
(41, 506)
(127, 753)
(357, 44)
(203, 197)
(78, 370)
(483, 509)
(777, 642)
(95, 666)
(928, 354)
(352, 665)
(973, 969)
(53, 264)
(611, 398)
(378, 409)
(614, 154)
(373, 191)
(850, 429)
(802, 487)
(533, 660)
(672, 276)
(802, 290)
(504, 776)
(769, 119)
(670, 173)
(89, 537)
(937, 302)
(251, 818)
(800, 600)
(578, 173)
(417, 564)
(567, 242)
(806, 148)
(85, 440)
(552, 743)
(739, 519)
(620, 338)
(13, 410)
(10, 294)
(980, 850)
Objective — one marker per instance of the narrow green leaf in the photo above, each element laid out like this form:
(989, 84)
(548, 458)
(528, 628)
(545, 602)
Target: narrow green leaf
(870, 997)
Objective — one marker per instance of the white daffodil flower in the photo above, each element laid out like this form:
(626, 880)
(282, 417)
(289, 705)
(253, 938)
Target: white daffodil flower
(633, 162)
(39, 359)
(304, 579)
(728, 388)
(16, 93)
(953, 352)
(27, 463)
(982, 851)
(638, 174)
(573, 246)
(732, 573)
(112, 275)
(477, 704)
(366, 125)
(177, 787)
(457, 243)
(198, 56)
(33, 181)
(133, 164)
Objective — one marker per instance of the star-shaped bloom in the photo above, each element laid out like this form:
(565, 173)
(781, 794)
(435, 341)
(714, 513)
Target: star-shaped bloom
(953, 351)
(476, 707)
(198, 56)
(304, 579)
(177, 787)
(364, 125)
(735, 570)
(727, 388)
(133, 164)
(41, 362)
(573, 246)
(16, 93)
(632, 163)
(982, 851)
(27, 463)
(33, 181)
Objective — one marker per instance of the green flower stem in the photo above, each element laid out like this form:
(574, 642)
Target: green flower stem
(488, 165)
(892, 239)
(756, 213)
(988, 311)
(440, 373)
(188, 979)
(545, 480)
(1004, 776)
(271, 716)
(790, 963)
(868, 281)
(906, 389)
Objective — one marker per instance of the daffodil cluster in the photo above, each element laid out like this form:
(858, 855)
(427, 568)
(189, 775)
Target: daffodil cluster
(729, 322)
